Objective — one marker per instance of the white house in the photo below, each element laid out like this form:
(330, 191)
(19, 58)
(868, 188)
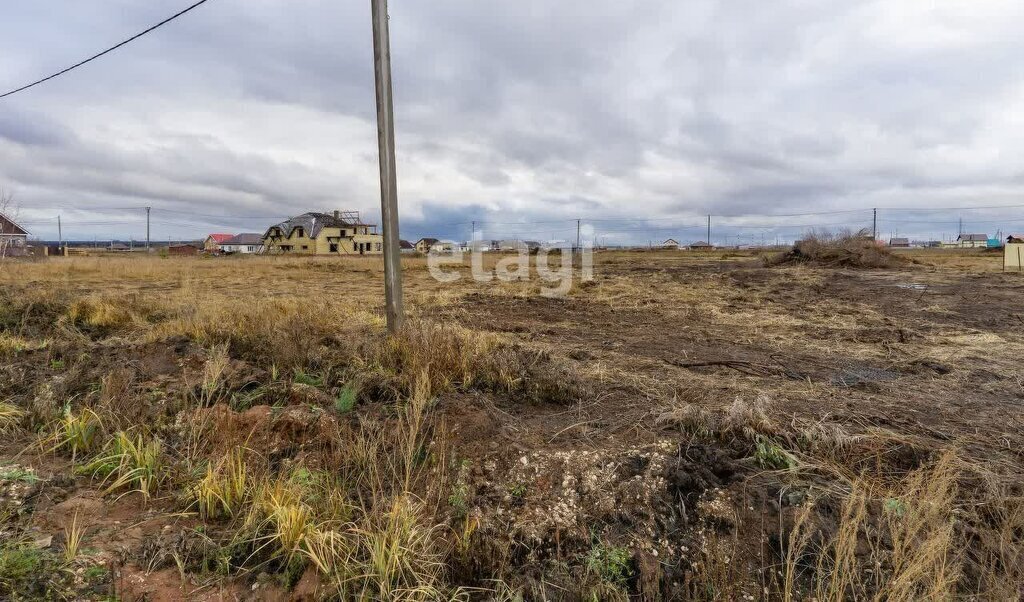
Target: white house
(246, 244)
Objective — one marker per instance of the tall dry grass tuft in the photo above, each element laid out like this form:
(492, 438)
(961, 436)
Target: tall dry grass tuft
(925, 561)
(132, 463)
(891, 542)
(216, 363)
(223, 491)
(432, 356)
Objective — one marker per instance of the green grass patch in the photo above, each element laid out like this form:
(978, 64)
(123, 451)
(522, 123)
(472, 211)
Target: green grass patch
(772, 456)
(25, 572)
(611, 564)
(307, 379)
(17, 473)
(346, 399)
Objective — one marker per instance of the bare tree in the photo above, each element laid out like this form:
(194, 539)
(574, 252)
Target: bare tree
(8, 216)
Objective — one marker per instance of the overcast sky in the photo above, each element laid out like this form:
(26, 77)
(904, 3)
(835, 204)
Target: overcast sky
(513, 111)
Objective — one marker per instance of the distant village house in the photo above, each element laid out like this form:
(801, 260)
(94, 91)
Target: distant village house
(183, 249)
(972, 241)
(340, 233)
(427, 245)
(902, 243)
(246, 244)
(670, 244)
(13, 238)
(213, 242)
(424, 245)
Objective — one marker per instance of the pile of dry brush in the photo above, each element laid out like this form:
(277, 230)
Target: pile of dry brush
(845, 250)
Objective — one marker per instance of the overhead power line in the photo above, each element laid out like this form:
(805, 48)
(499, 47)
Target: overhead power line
(111, 49)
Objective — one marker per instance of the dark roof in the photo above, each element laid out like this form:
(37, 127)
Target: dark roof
(428, 241)
(699, 243)
(9, 227)
(1014, 237)
(899, 241)
(973, 237)
(404, 244)
(312, 223)
(246, 238)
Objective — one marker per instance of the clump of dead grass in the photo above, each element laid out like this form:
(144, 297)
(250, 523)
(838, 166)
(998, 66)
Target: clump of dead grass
(285, 332)
(11, 344)
(433, 356)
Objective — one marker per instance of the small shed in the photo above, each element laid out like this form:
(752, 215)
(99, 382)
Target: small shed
(1013, 253)
(899, 243)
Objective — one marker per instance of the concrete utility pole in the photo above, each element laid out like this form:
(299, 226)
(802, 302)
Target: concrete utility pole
(578, 250)
(147, 228)
(709, 230)
(60, 235)
(874, 224)
(388, 175)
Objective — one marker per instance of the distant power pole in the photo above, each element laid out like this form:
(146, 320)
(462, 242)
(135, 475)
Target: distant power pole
(60, 235)
(874, 224)
(577, 235)
(709, 230)
(960, 228)
(147, 228)
(388, 174)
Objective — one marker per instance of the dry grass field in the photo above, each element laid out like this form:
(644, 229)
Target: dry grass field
(684, 426)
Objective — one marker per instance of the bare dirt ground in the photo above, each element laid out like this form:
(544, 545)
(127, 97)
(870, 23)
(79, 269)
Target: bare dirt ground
(684, 426)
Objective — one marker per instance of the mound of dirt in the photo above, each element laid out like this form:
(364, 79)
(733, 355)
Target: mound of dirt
(850, 251)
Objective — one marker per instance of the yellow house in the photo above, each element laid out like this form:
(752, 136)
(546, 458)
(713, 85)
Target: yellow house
(340, 233)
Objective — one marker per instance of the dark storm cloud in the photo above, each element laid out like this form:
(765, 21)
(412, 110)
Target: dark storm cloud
(513, 111)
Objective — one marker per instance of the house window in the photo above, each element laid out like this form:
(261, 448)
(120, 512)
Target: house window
(305, 247)
(334, 247)
(378, 246)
